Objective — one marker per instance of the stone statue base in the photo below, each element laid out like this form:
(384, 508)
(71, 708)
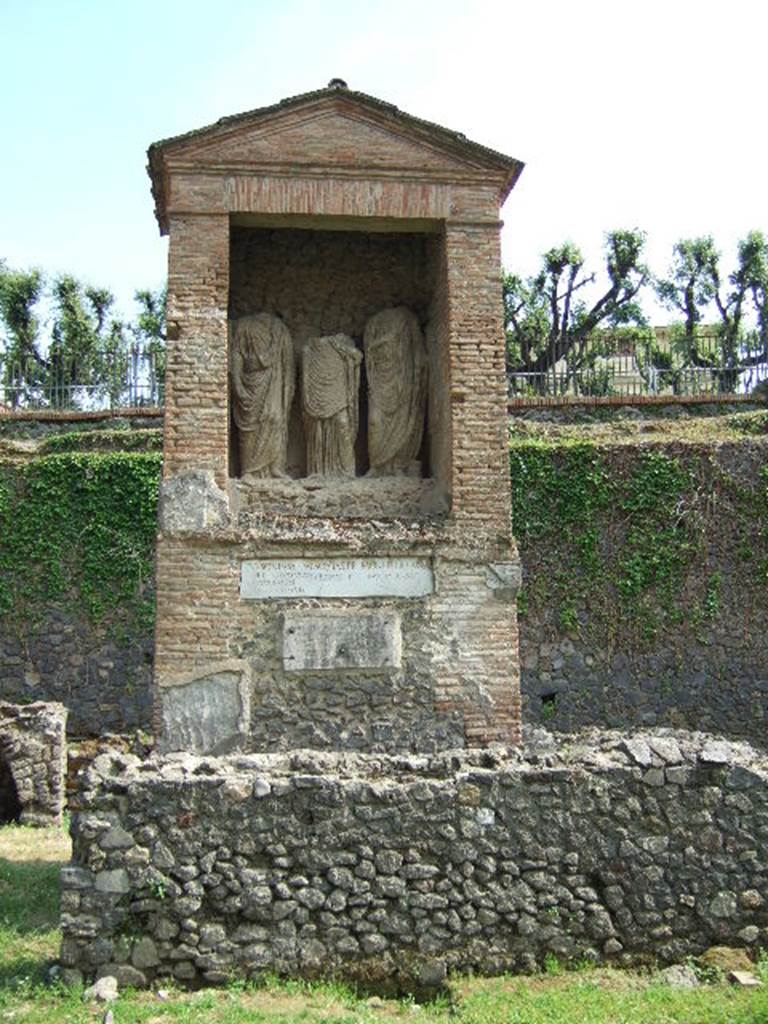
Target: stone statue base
(356, 498)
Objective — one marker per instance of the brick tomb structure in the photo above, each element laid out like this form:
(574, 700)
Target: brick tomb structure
(335, 564)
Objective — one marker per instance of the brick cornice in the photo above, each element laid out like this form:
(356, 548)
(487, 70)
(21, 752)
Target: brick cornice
(330, 170)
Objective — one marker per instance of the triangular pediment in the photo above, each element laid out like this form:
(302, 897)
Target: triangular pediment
(331, 130)
(327, 137)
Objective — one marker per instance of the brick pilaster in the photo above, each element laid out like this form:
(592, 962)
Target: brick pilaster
(197, 404)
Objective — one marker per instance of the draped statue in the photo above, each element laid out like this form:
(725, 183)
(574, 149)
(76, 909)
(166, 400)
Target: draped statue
(330, 381)
(396, 367)
(263, 383)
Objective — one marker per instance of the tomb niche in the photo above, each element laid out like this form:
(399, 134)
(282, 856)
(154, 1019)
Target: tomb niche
(357, 306)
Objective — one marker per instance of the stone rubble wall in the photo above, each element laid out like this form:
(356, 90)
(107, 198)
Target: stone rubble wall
(104, 684)
(58, 654)
(720, 685)
(378, 868)
(697, 667)
(33, 751)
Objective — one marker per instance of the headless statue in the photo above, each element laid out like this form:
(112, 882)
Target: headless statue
(330, 382)
(396, 367)
(263, 383)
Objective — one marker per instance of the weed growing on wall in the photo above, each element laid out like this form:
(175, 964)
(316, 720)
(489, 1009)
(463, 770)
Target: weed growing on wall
(105, 440)
(77, 530)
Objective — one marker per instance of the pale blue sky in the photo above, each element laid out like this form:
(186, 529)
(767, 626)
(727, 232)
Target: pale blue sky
(626, 114)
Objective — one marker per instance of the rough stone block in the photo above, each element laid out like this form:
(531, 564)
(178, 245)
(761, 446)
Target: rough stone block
(192, 501)
(505, 576)
(115, 881)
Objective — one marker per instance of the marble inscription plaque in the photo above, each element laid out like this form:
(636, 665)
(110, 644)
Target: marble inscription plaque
(265, 578)
(332, 642)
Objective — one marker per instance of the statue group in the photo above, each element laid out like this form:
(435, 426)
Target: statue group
(263, 376)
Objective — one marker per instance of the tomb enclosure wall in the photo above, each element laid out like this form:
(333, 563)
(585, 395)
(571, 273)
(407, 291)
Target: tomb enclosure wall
(51, 648)
(607, 847)
(105, 684)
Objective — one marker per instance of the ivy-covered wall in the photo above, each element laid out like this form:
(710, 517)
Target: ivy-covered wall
(77, 536)
(645, 595)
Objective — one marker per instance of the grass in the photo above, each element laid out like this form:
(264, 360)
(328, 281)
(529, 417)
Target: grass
(30, 861)
(643, 428)
(29, 864)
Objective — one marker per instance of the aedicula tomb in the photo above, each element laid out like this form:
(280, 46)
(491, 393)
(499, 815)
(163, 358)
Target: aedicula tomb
(335, 567)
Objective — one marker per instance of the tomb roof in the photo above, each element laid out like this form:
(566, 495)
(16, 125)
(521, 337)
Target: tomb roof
(276, 134)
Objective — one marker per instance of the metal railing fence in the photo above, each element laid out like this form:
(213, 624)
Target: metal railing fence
(141, 384)
(625, 375)
(30, 386)
(654, 367)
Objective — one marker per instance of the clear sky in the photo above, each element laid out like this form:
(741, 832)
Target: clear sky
(647, 115)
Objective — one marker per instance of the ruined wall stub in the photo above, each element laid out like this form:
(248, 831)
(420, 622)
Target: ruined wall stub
(335, 409)
(33, 761)
(349, 866)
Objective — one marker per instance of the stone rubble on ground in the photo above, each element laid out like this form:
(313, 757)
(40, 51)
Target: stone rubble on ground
(104, 990)
(679, 976)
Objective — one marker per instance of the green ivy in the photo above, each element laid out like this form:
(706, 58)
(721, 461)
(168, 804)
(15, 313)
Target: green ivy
(556, 488)
(755, 423)
(614, 534)
(78, 530)
(658, 542)
(104, 440)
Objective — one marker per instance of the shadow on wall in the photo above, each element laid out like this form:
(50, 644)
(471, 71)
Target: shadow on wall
(10, 805)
